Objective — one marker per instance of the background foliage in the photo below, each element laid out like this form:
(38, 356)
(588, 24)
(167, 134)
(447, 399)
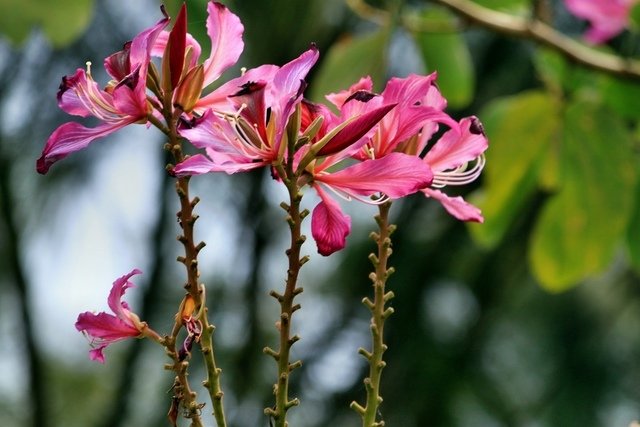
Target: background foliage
(530, 319)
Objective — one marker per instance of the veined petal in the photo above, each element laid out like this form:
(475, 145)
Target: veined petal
(456, 206)
(395, 175)
(143, 44)
(409, 90)
(458, 146)
(71, 137)
(216, 162)
(105, 326)
(329, 226)
(225, 31)
(129, 104)
(80, 95)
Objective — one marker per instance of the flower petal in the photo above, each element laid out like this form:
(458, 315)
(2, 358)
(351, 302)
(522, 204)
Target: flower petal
(395, 175)
(118, 290)
(80, 95)
(329, 226)
(96, 353)
(225, 31)
(71, 137)
(456, 206)
(105, 326)
(458, 146)
(339, 98)
(608, 18)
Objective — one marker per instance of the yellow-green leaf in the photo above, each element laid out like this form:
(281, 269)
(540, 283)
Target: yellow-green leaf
(583, 224)
(520, 130)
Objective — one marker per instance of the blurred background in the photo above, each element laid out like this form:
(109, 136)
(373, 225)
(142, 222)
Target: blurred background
(531, 319)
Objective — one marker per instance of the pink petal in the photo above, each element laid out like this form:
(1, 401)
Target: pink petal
(408, 90)
(456, 206)
(200, 164)
(339, 98)
(118, 290)
(225, 31)
(355, 130)
(458, 146)
(218, 99)
(96, 353)
(329, 226)
(160, 44)
(288, 86)
(105, 326)
(395, 175)
(81, 96)
(608, 18)
(128, 103)
(71, 137)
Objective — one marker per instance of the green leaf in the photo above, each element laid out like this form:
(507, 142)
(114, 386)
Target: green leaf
(61, 24)
(552, 68)
(520, 130)
(350, 59)
(582, 225)
(633, 232)
(634, 17)
(622, 96)
(66, 21)
(446, 52)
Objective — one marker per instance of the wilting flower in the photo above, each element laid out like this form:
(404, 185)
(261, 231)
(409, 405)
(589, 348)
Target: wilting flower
(251, 137)
(457, 158)
(105, 328)
(608, 18)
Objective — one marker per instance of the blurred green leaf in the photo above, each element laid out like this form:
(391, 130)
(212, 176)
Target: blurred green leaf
(61, 24)
(552, 68)
(633, 232)
(520, 130)
(634, 17)
(350, 59)
(446, 52)
(581, 226)
(623, 96)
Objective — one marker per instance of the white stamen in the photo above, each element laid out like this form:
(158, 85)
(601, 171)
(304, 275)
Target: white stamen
(461, 175)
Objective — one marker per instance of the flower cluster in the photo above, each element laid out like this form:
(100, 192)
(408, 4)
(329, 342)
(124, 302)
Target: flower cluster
(361, 145)
(608, 18)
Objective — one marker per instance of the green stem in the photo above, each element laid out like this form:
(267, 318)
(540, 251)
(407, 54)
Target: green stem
(187, 221)
(287, 307)
(378, 316)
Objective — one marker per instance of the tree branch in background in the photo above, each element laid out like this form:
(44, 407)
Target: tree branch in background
(527, 28)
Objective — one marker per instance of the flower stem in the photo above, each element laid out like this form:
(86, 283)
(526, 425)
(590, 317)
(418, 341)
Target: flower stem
(287, 307)
(187, 219)
(378, 316)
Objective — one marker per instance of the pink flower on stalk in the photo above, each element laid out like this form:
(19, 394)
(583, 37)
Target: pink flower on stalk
(457, 158)
(252, 136)
(122, 102)
(105, 328)
(608, 18)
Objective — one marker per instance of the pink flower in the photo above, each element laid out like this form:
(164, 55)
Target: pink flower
(457, 159)
(393, 176)
(122, 102)
(252, 136)
(608, 18)
(105, 328)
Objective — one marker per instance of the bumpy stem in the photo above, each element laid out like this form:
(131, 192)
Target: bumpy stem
(287, 307)
(187, 219)
(378, 316)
